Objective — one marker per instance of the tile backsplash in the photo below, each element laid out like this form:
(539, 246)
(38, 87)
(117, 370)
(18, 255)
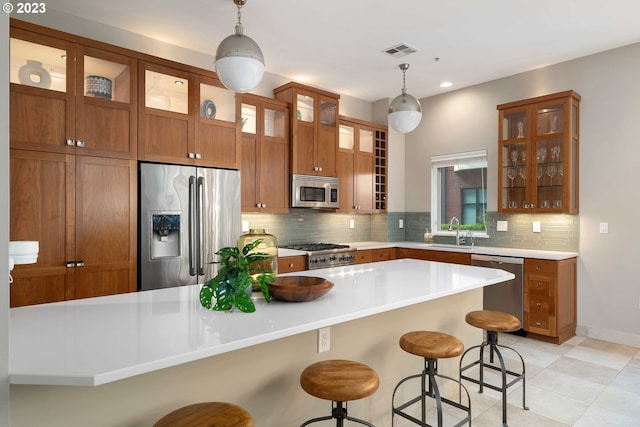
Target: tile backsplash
(558, 232)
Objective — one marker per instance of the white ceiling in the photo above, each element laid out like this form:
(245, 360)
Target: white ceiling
(337, 44)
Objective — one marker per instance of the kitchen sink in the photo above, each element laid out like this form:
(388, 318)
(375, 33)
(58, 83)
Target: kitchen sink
(452, 247)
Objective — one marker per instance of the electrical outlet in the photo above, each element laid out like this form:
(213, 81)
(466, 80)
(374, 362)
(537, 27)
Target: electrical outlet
(502, 225)
(324, 339)
(245, 226)
(401, 223)
(536, 226)
(604, 227)
(352, 223)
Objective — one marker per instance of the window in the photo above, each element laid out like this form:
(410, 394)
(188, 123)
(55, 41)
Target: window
(459, 188)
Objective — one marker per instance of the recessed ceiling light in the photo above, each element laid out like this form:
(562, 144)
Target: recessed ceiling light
(446, 84)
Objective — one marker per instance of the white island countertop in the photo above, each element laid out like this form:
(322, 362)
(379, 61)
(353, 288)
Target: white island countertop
(95, 341)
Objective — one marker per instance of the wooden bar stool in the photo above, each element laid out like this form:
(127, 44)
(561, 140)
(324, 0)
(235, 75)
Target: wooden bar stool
(207, 414)
(431, 346)
(493, 322)
(339, 381)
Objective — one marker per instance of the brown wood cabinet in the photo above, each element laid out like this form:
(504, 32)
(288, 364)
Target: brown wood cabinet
(539, 154)
(186, 117)
(265, 154)
(314, 128)
(550, 307)
(430, 255)
(82, 210)
(292, 264)
(358, 165)
(57, 103)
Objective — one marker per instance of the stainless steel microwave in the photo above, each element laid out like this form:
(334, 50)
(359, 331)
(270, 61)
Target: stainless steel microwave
(319, 192)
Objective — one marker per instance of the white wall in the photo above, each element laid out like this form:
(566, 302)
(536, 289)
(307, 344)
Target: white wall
(4, 223)
(608, 290)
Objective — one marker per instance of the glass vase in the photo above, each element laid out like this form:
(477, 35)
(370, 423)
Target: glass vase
(268, 245)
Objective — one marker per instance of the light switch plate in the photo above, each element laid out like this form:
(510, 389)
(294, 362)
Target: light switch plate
(401, 223)
(352, 223)
(502, 225)
(245, 226)
(536, 226)
(604, 228)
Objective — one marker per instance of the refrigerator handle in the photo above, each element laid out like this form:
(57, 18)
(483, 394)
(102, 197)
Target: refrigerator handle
(200, 226)
(192, 226)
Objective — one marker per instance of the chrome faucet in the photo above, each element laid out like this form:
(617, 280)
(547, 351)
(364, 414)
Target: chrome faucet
(457, 229)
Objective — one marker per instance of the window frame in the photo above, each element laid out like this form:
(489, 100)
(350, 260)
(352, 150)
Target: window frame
(446, 160)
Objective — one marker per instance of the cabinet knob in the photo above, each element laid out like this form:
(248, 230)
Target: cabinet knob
(538, 324)
(538, 285)
(71, 142)
(80, 143)
(264, 205)
(80, 263)
(198, 156)
(192, 156)
(538, 305)
(71, 264)
(538, 267)
(291, 265)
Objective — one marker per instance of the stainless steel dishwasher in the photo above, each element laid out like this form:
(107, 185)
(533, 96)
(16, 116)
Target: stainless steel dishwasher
(506, 296)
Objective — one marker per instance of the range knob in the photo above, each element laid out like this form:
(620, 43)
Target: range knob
(332, 258)
(323, 260)
(314, 260)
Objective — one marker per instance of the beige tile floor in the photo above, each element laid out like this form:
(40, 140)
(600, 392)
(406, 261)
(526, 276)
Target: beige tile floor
(583, 382)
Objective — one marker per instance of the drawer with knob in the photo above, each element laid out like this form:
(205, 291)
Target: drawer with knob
(291, 264)
(538, 323)
(539, 304)
(541, 266)
(539, 285)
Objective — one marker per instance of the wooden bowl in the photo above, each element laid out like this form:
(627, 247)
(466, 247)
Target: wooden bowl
(299, 288)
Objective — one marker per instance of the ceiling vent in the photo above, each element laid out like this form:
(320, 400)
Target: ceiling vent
(400, 50)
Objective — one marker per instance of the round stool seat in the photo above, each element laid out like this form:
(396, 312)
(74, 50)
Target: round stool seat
(339, 380)
(489, 320)
(207, 414)
(432, 345)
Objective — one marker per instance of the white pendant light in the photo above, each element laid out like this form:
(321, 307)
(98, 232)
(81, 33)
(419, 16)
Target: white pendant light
(239, 60)
(405, 110)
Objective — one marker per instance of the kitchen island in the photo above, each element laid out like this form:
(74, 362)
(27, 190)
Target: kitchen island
(150, 352)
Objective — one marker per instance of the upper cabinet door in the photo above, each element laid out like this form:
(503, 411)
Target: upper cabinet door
(70, 98)
(106, 114)
(314, 128)
(538, 154)
(216, 130)
(42, 101)
(165, 127)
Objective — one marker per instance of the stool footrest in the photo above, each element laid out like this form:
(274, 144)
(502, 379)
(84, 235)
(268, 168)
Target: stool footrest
(429, 389)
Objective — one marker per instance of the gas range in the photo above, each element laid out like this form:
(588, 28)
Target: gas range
(323, 255)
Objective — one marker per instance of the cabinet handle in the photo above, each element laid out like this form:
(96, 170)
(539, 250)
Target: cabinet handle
(71, 143)
(70, 264)
(80, 144)
(80, 263)
(198, 156)
(291, 265)
(192, 156)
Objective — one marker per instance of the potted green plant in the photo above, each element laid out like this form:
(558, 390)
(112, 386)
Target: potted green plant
(231, 287)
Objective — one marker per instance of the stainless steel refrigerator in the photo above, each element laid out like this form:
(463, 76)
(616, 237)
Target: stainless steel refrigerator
(186, 215)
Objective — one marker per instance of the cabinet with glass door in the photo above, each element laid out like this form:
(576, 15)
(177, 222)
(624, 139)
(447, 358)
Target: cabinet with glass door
(264, 169)
(314, 128)
(67, 97)
(186, 117)
(538, 154)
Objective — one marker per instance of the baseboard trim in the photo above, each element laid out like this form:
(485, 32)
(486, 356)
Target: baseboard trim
(609, 335)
